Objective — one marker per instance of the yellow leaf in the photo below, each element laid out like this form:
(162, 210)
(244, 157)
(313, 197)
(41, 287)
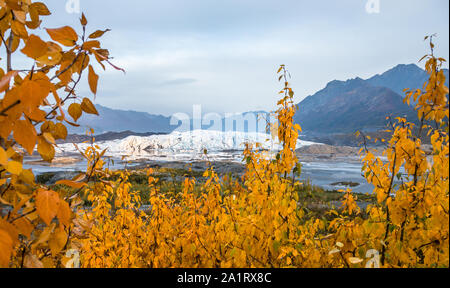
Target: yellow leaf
(3, 157)
(45, 149)
(14, 167)
(49, 137)
(27, 176)
(60, 131)
(57, 241)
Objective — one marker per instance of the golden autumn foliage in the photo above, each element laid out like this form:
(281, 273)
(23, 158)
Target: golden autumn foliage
(260, 222)
(36, 223)
(256, 221)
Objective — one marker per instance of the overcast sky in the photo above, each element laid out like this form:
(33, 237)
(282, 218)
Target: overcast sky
(223, 54)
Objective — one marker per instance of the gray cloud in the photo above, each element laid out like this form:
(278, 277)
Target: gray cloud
(176, 82)
(223, 54)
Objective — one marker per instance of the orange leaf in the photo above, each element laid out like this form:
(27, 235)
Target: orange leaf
(32, 93)
(64, 213)
(93, 80)
(88, 107)
(10, 229)
(98, 34)
(72, 184)
(67, 75)
(3, 157)
(64, 35)
(45, 149)
(14, 167)
(4, 82)
(60, 131)
(91, 44)
(83, 20)
(41, 8)
(25, 134)
(35, 47)
(48, 137)
(47, 205)
(8, 238)
(19, 29)
(6, 248)
(75, 111)
(57, 241)
(24, 227)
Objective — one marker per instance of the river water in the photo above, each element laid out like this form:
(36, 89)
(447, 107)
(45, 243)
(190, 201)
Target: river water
(321, 173)
(324, 174)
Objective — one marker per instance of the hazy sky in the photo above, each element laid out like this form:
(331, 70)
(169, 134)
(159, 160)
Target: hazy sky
(224, 54)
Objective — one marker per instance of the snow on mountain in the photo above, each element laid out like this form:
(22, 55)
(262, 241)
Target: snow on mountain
(189, 144)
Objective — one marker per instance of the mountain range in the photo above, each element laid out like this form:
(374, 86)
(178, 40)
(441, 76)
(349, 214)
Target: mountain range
(357, 104)
(113, 120)
(341, 107)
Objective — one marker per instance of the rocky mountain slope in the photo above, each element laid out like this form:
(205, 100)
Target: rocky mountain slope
(345, 106)
(358, 104)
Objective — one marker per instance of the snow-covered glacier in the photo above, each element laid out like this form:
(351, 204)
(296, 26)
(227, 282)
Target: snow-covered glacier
(183, 145)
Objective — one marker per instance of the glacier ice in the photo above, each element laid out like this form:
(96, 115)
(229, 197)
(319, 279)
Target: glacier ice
(187, 145)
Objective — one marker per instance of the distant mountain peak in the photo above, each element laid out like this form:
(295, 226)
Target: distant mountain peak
(401, 77)
(401, 69)
(350, 82)
(406, 67)
(116, 120)
(358, 104)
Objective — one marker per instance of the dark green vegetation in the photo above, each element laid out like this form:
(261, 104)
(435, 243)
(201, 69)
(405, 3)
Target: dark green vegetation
(347, 184)
(315, 200)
